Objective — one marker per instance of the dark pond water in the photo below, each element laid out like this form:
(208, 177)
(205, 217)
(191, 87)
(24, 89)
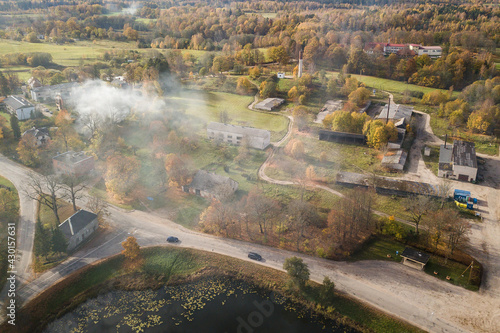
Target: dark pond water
(215, 305)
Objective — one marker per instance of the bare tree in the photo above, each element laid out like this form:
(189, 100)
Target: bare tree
(457, 234)
(444, 189)
(437, 223)
(261, 210)
(44, 189)
(302, 215)
(74, 187)
(418, 206)
(352, 216)
(92, 121)
(98, 207)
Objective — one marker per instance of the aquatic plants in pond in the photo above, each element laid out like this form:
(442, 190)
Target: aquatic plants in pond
(215, 304)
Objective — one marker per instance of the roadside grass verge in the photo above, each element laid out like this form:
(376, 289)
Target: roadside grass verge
(7, 217)
(432, 161)
(48, 220)
(168, 264)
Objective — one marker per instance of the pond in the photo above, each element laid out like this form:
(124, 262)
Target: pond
(210, 305)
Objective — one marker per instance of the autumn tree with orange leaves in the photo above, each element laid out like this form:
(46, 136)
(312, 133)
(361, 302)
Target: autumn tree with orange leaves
(132, 253)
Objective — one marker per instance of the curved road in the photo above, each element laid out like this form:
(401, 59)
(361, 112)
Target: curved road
(388, 286)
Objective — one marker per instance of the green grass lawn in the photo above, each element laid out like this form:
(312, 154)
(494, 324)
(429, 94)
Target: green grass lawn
(5, 219)
(391, 85)
(6, 116)
(452, 269)
(204, 106)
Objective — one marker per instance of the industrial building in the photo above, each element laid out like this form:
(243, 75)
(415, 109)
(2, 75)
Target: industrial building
(71, 163)
(395, 160)
(342, 137)
(269, 104)
(458, 161)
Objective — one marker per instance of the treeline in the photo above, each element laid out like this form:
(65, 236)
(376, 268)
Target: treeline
(467, 25)
(33, 59)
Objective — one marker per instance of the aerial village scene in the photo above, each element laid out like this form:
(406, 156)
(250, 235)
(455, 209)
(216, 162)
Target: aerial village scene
(249, 166)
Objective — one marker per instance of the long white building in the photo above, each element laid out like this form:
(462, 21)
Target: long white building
(256, 138)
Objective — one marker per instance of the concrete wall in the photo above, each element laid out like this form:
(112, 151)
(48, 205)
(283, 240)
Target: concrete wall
(25, 113)
(464, 170)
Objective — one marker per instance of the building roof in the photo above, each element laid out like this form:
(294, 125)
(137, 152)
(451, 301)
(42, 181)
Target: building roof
(395, 45)
(37, 132)
(396, 111)
(17, 102)
(445, 154)
(269, 103)
(464, 153)
(71, 157)
(76, 222)
(431, 47)
(208, 181)
(235, 129)
(56, 87)
(343, 134)
(462, 193)
(416, 255)
(395, 157)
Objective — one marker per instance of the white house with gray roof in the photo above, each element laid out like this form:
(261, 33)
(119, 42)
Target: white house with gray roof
(78, 227)
(18, 106)
(256, 138)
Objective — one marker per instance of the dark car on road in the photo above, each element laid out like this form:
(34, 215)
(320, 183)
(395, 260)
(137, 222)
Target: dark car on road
(254, 256)
(173, 239)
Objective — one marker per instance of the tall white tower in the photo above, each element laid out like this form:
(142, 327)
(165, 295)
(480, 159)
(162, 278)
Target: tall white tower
(299, 74)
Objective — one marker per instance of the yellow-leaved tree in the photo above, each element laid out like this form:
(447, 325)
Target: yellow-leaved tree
(121, 175)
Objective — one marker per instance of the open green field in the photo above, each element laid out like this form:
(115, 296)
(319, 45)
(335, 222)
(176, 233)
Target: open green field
(206, 106)
(71, 54)
(391, 85)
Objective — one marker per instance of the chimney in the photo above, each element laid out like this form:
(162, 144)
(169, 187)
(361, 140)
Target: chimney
(445, 139)
(299, 74)
(388, 109)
